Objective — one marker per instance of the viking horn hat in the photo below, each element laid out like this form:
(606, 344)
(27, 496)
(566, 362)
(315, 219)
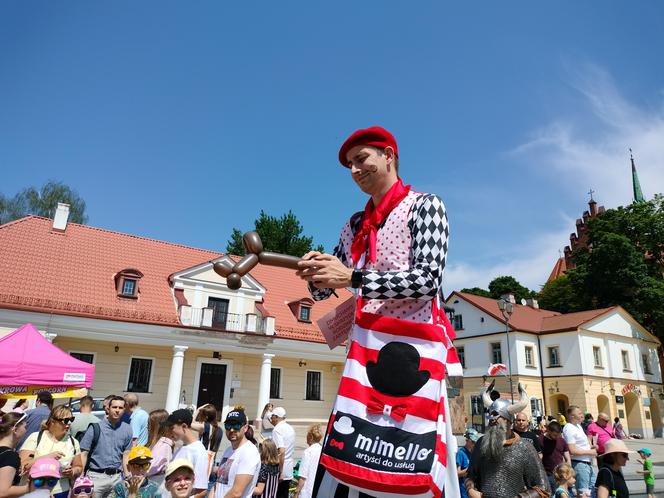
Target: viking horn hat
(503, 407)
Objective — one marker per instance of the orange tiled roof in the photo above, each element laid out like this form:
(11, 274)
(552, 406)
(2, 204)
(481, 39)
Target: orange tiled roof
(570, 321)
(559, 269)
(72, 273)
(523, 318)
(529, 319)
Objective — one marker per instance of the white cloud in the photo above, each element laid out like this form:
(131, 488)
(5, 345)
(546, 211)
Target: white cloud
(531, 263)
(591, 148)
(587, 149)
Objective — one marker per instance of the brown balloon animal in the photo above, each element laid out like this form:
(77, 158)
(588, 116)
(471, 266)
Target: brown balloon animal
(255, 254)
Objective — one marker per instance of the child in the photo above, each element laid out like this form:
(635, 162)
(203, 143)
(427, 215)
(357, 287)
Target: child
(82, 488)
(137, 484)
(44, 475)
(565, 478)
(648, 474)
(268, 475)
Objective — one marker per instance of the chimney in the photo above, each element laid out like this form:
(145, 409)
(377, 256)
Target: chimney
(532, 302)
(509, 298)
(61, 217)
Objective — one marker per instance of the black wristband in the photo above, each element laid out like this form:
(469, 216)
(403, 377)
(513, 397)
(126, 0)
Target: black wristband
(356, 279)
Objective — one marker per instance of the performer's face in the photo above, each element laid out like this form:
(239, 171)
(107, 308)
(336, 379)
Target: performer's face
(372, 169)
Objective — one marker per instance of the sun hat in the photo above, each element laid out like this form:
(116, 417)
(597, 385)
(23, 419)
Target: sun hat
(139, 454)
(176, 464)
(45, 467)
(615, 446)
(83, 482)
(645, 451)
(374, 136)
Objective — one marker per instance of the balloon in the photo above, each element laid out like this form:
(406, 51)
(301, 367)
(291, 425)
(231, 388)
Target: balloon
(234, 281)
(233, 273)
(252, 243)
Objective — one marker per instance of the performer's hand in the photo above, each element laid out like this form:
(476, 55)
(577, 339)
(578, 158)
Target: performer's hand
(324, 271)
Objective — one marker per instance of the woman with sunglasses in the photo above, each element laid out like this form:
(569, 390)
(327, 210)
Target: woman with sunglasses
(54, 441)
(610, 481)
(44, 475)
(12, 429)
(137, 484)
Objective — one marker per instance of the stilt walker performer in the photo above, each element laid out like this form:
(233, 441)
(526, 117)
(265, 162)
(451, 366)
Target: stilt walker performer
(389, 433)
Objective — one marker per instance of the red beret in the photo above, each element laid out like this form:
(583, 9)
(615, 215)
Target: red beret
(374, 136)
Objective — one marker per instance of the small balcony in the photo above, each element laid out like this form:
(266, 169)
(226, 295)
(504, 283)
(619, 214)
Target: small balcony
(229, 322)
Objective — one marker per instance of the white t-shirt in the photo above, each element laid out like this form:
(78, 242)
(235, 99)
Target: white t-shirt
(197, 455)
(244, 461)
(283, 436)
(308, 467)
(574, 434)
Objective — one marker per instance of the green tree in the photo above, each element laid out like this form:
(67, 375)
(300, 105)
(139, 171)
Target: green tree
(477, 291)
(43, 202)
(559, 295)
(282, 235)
(624, 266)
(500, 286)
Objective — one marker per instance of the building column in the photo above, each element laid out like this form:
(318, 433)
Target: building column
(175, 379)
(264, 384)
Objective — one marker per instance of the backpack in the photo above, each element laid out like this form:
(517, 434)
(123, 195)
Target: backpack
(96, 432)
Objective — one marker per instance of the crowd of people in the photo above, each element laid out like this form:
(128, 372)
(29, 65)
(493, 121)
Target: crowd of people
(130, 453)
(576, 457)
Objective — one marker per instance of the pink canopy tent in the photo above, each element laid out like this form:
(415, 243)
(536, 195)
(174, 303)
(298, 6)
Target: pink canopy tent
(30, 364)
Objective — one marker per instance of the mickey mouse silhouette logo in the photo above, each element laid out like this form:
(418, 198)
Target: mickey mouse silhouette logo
(397, 370)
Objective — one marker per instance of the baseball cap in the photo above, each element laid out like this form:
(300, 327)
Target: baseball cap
(45, 467)
(181, 416)
(176, 464)
(236, 416)
(279, 411)
(472, 434)
(139, 454)
(645, 451)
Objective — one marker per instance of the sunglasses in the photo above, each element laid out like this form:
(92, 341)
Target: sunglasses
(67, 420)
(41, 482)
(83, 490)
(23, 417)
(233, 427)
(143, 465)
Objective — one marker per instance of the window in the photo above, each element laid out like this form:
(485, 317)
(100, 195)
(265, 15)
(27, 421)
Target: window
(129, 287)
(554, 356)
(536, 407)
(140, 371)
(275, 383)
(458, 322)
(496, 353)
(646, 364)
(313, 386)
(305, 314)
(597, 356)
(126, 282)
(625, 360)
(529, 356)
(86, 357)
(461, 351)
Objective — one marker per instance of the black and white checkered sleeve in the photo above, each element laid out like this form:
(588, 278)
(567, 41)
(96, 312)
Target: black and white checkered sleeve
(429, 229)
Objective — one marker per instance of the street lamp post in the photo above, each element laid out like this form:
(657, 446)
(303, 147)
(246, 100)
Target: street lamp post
(506, 307)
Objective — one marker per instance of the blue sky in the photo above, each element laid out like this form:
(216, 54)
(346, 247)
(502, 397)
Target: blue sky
(182, 120)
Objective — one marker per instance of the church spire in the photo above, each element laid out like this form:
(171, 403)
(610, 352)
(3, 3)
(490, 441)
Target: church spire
(636, 185)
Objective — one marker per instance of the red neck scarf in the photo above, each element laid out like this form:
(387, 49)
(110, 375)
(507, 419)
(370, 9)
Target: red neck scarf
(372, 219)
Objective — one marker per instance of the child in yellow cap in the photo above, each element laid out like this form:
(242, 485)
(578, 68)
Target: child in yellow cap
(136, 484)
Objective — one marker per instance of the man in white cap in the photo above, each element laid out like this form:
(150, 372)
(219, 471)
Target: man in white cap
(283, 436)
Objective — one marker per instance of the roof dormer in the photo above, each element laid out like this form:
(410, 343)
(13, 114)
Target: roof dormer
(127, 283)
